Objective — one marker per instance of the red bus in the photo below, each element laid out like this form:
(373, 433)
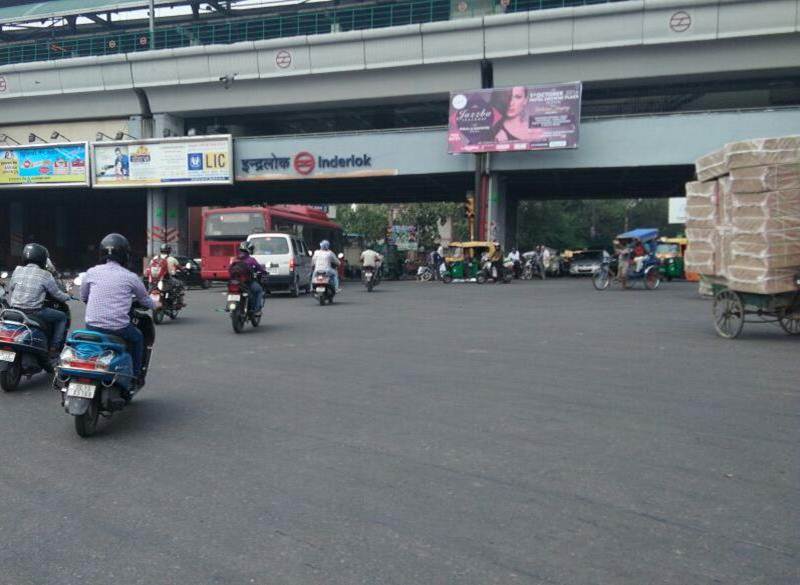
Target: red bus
(223, 229)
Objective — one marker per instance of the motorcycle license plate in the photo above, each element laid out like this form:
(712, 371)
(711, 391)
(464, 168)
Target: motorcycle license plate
(80, 390)
(320, 289)
(236, 298)
(7, 356)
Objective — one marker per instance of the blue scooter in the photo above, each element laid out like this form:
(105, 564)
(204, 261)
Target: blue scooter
(24, 342)
(95, 373)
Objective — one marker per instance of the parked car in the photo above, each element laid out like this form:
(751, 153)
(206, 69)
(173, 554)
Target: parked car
(286, 259)
(587, 262)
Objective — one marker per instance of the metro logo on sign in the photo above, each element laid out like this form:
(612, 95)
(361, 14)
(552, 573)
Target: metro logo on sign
(195, 161)
(304, 163)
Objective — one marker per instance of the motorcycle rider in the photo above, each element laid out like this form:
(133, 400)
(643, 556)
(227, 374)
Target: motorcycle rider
(172, 266)
(256, 270)
(30, 284)
(371, 259)
(326, 261)
(516, 258)
(107, 290)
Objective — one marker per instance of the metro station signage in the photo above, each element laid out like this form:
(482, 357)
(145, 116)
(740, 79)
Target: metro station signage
(167, 162)
(64, 164)
(308, 165)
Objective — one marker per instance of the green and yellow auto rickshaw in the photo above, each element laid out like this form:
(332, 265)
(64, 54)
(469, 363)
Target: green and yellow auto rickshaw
(463, 260)
(670, 252)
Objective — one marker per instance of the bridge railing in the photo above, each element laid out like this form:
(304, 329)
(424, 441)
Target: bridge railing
(323, 21)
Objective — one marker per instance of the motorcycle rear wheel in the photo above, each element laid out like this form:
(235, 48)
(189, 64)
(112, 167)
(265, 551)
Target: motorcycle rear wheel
(9, 379)
(86, 423)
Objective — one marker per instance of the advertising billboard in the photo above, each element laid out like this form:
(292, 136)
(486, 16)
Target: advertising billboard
(44, 165)
(513, 119)
(167, 162)
(404, 237)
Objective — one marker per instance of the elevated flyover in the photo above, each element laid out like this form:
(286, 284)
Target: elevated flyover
(607, 45)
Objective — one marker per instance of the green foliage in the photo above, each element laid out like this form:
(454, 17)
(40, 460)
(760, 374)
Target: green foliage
(429, 216)
(369, 220)
(591, 223)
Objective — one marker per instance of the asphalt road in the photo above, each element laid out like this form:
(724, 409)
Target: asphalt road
(537, 433)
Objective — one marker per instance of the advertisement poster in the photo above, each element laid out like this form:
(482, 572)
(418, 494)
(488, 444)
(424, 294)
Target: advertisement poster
(677, 210)
(405, 237)
(41, 165)
(168, 162)
(515, 118)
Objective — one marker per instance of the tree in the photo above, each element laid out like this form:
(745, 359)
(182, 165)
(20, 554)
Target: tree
(429, 216)
(369, 220)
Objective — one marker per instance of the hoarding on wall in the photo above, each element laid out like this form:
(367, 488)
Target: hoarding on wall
(167, 162)
(404, 237)
(44, 165)
(677, 210)
(513, 119)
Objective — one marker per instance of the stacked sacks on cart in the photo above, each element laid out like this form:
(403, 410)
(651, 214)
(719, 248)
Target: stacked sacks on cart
(743, 215)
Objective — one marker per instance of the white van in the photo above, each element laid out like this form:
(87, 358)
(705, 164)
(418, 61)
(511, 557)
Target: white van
(286, 259)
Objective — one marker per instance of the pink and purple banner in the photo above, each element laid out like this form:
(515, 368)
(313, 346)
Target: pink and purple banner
(517, 118)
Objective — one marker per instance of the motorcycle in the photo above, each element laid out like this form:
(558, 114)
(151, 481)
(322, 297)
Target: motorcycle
(24, 343)
(425, 273)
(533, 267)
(491, 273)
(167, 296)
(95, 372)
(238, 305)
(369, 275)
(324, 291)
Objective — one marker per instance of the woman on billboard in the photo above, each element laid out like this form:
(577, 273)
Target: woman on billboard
(512, 105)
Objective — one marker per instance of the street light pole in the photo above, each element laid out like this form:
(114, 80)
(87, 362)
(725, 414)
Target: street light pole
(152, 25)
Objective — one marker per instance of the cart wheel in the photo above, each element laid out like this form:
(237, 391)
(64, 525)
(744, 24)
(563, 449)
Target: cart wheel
(601, 279)
(728, 314)
(790, 322)
(652, 278)
(447, 278)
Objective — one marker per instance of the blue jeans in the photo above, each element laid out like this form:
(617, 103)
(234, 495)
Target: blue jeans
(135, 340)
(58, 325)
(256, 296)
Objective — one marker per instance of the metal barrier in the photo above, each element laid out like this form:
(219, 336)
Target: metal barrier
(323, 21)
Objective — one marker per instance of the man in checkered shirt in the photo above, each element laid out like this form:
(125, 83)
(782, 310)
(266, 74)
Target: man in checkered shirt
(108, 290)
(30, 284)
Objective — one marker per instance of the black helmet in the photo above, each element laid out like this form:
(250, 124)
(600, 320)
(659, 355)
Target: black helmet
(247, 246)
(166, 249)
(36, 254)
(115, 247)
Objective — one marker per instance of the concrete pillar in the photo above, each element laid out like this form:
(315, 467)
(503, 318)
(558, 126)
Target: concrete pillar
(16, 229)
(140, 127)
(495, 228)
(512, 208)
(156, 219)
(167, 125)
(177, 234)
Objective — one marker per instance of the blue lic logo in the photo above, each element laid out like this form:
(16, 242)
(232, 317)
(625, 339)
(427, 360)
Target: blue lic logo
(195, 161)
